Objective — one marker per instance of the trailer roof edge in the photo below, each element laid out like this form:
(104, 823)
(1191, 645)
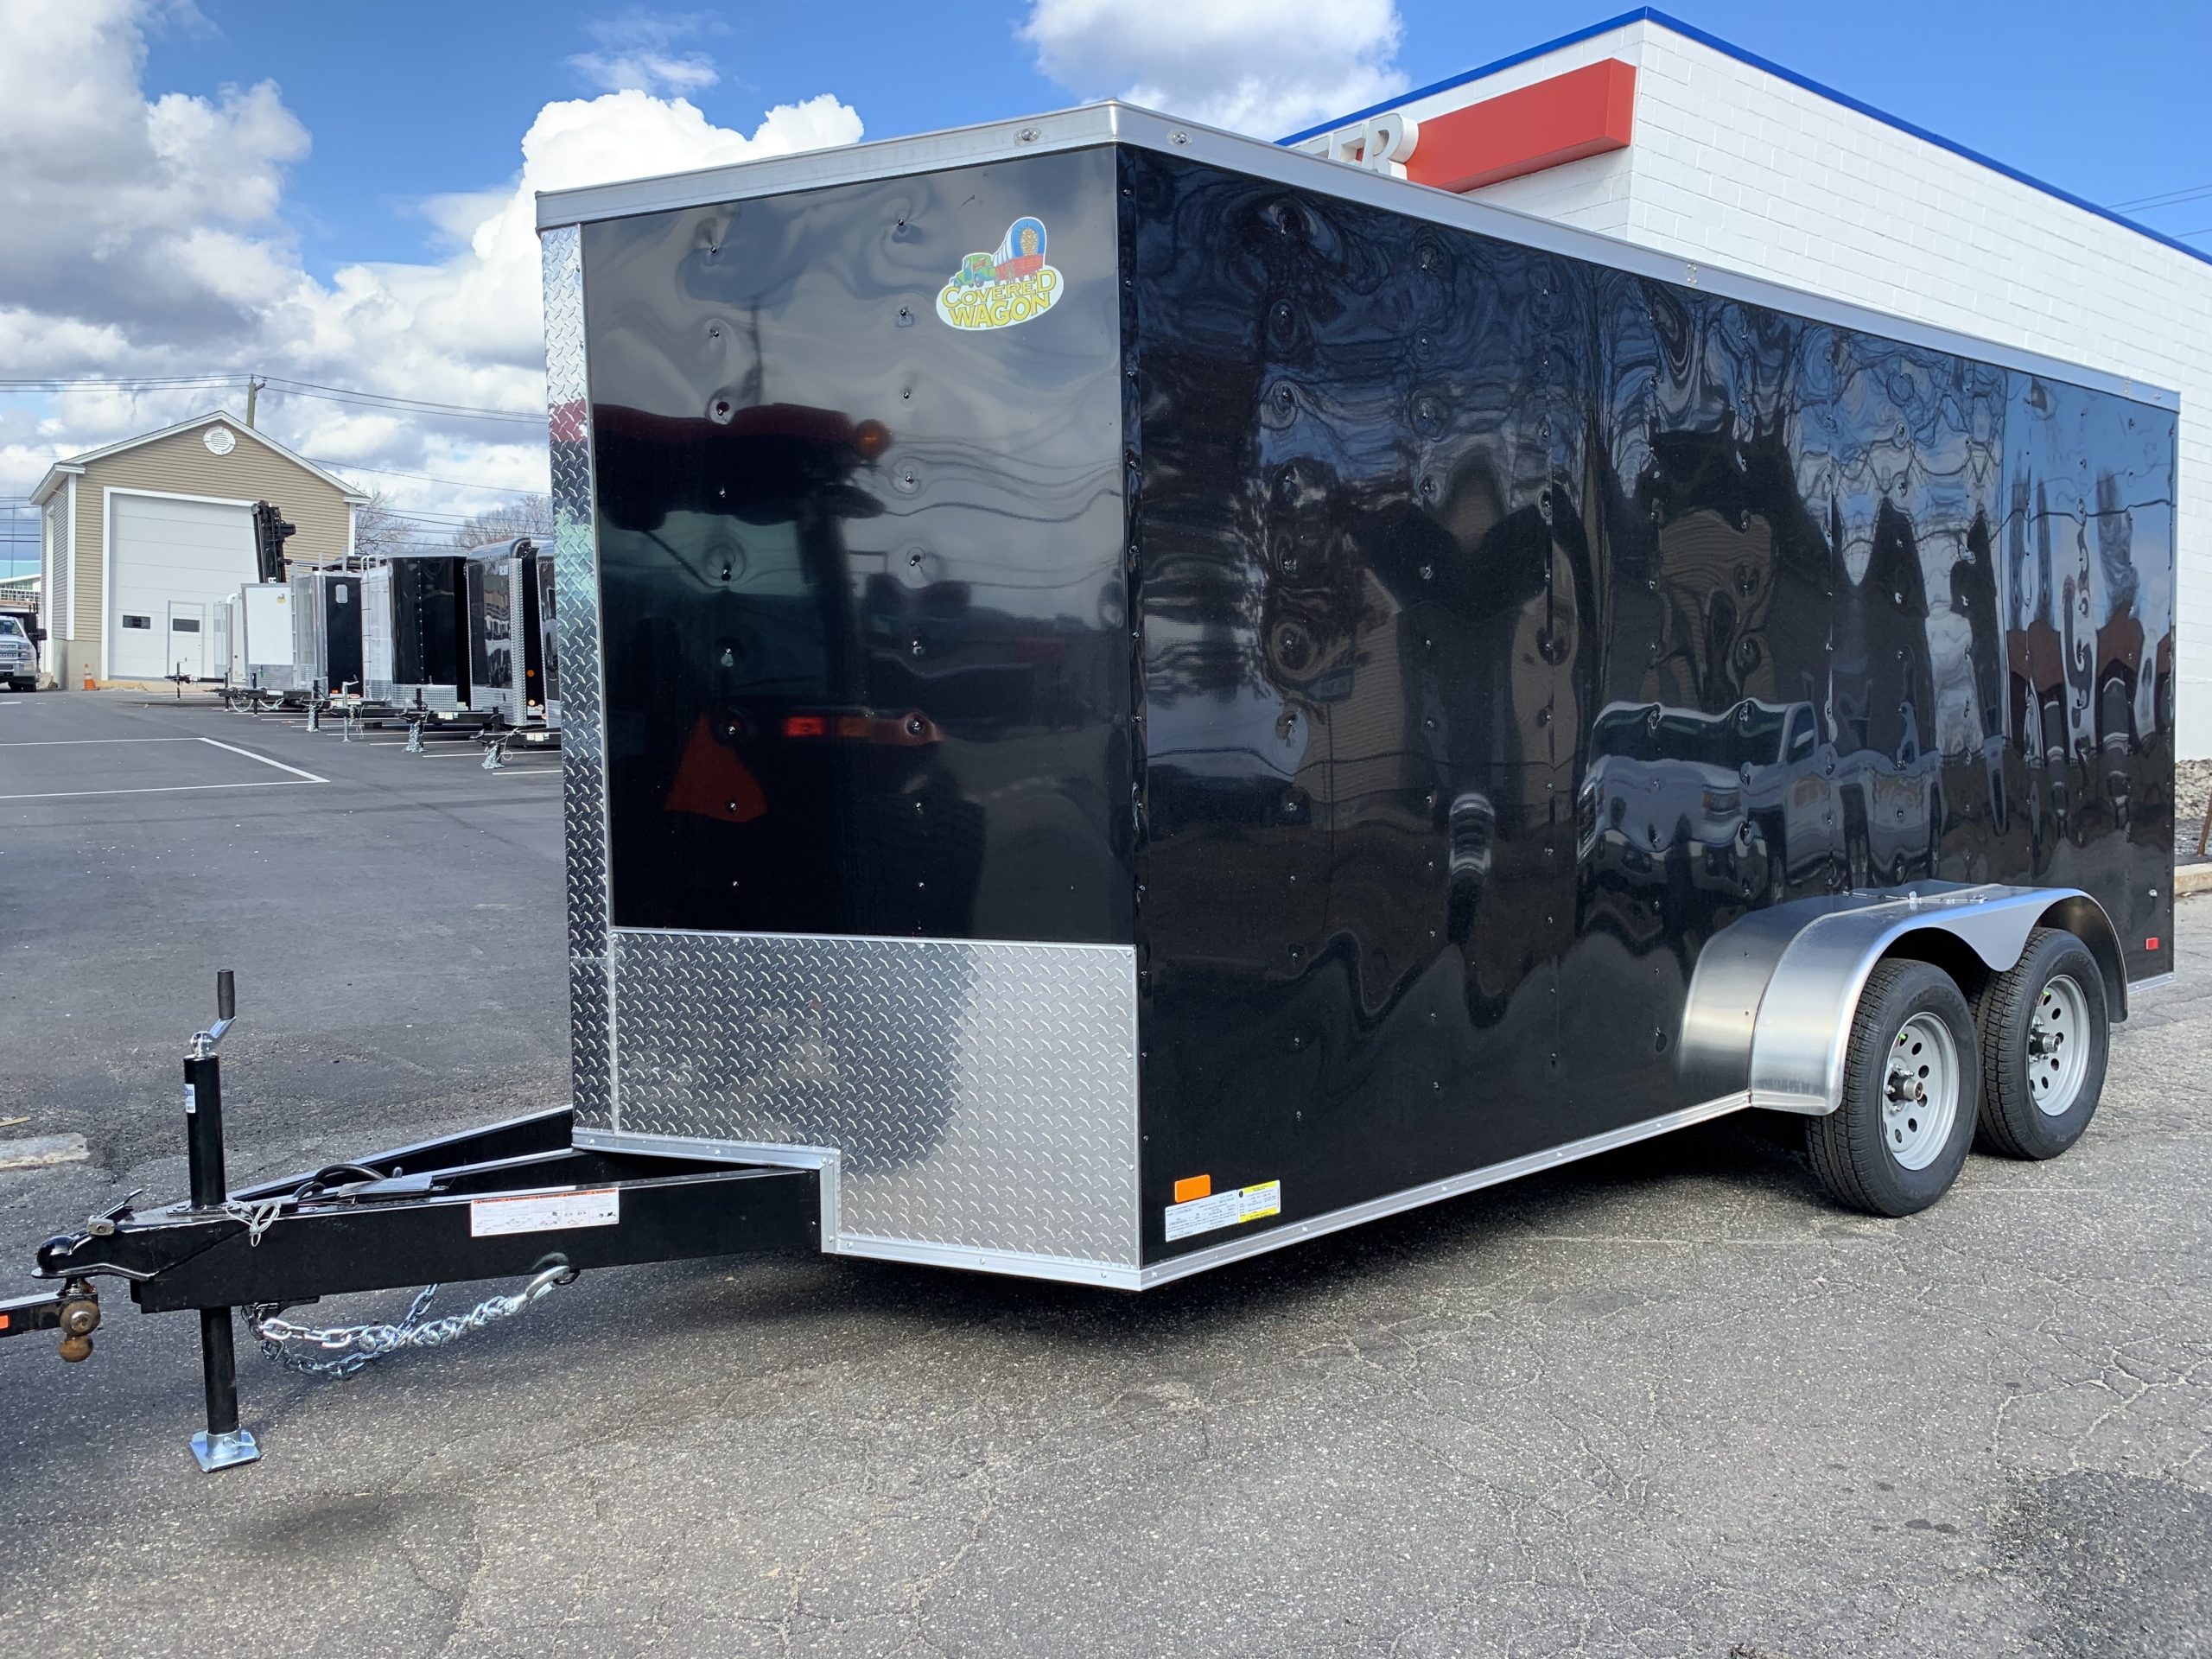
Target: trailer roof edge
(1115, 122)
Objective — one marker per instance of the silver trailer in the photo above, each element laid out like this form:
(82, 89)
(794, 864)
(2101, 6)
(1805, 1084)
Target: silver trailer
(511, 648)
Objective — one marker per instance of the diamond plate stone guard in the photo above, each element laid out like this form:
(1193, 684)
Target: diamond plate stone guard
(575, 578)
(981, 1095)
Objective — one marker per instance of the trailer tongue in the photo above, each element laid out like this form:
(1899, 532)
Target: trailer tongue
(514, 1199)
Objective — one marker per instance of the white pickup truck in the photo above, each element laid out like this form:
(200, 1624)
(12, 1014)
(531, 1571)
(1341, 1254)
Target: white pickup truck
(18, 659)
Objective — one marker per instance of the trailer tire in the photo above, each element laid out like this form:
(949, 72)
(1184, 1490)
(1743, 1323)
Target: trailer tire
(1911, 1085)
(2036, 1096)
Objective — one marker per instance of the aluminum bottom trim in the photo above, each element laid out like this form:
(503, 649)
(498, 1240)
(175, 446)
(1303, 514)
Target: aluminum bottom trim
(2164, 982)
(1071, 1271)
(1452, 1187)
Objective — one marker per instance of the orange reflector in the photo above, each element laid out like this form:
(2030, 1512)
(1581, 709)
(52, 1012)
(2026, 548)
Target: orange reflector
(1193, 1186)
(6, 1320)
(806, 726)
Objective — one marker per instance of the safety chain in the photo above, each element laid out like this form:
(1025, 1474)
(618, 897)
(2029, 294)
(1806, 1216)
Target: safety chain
(357, 1346)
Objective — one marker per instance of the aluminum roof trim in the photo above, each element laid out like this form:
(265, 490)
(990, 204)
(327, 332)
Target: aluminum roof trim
(1092, 124)
(1110, 122)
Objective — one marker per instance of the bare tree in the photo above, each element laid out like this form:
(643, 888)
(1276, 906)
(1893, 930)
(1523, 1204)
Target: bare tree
(379, 530)
(527, 515)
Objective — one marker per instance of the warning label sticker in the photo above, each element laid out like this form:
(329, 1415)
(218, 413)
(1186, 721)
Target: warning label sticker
(545, 1212)
(1223, 1209)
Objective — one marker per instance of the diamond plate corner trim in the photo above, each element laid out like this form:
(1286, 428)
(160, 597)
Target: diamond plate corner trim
(981, 1095)
(583, 773)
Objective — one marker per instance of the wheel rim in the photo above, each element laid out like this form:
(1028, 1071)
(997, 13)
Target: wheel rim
(1920, 1092)
(2058, 1046)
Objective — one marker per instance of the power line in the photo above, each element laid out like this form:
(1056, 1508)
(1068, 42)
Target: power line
(407, 405)
(2166, 198)
(293, 388)
(427, 478)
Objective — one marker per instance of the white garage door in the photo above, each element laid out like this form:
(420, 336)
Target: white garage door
(172, 561)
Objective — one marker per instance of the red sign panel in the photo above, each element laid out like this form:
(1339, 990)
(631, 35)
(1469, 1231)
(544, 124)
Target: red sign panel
(1587, 111)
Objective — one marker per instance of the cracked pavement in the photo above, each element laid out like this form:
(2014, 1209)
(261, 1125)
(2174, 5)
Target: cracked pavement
(1666, 1402)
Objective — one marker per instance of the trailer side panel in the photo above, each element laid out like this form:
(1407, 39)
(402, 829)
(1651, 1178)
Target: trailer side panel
(1514, 625)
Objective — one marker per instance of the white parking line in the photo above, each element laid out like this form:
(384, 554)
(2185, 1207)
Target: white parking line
(69, 742)
(152, 789)
(265, 760)
(297, 773)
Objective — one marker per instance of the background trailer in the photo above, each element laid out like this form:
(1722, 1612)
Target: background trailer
(327, 631)
(255, 626)
(510, 614)
(1224, 680)
(418, 644)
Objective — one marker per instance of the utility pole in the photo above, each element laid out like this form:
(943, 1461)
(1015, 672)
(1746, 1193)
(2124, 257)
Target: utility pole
(253, 384)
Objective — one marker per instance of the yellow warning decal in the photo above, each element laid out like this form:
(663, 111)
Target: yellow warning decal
(1223, 1209)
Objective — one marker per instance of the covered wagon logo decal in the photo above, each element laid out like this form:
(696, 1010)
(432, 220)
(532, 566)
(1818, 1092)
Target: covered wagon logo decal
(997, 290)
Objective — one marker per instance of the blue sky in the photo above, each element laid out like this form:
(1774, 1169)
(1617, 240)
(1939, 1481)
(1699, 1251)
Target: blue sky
(340, 194)
(433, 97)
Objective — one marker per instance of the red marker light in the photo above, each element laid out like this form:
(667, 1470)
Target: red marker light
(806, 726)
(2151, 944)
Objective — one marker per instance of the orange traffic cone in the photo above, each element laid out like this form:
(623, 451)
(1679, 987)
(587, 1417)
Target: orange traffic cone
(89, 686)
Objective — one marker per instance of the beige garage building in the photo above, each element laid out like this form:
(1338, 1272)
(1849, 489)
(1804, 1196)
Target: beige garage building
(140, 539)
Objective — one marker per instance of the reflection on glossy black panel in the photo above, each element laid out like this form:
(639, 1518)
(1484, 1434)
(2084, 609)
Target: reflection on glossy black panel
(865, 615)
(1512, 626)
(2085, 596)
(1361, 448)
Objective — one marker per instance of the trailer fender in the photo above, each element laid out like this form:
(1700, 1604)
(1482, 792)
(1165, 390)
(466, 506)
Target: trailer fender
(1771, 1004)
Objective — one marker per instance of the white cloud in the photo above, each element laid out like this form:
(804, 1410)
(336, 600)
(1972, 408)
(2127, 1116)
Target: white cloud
(150, 236)
(638, 54)
(1263, 66)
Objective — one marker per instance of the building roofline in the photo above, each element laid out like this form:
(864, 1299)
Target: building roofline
(1726, 48)
(76, 464)
(56, 475)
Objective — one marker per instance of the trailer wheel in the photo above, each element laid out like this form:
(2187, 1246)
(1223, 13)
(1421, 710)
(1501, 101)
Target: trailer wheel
(2045, 1035)
(1911, 1080)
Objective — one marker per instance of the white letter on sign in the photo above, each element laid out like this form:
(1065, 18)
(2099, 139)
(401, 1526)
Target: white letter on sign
(1380, 144)
(1386, 141)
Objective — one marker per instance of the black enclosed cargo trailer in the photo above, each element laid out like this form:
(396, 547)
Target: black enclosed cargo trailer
(1269, 694)
(1133, 697)
(419, 657)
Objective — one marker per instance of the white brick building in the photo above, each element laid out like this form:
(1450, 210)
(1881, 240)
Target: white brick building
(1718, 155)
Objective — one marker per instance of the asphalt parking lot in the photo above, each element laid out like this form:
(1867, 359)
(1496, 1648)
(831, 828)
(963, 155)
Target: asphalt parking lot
(1669, 1401)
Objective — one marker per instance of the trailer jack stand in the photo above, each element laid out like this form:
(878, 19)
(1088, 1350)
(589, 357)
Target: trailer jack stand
(224, 1443)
